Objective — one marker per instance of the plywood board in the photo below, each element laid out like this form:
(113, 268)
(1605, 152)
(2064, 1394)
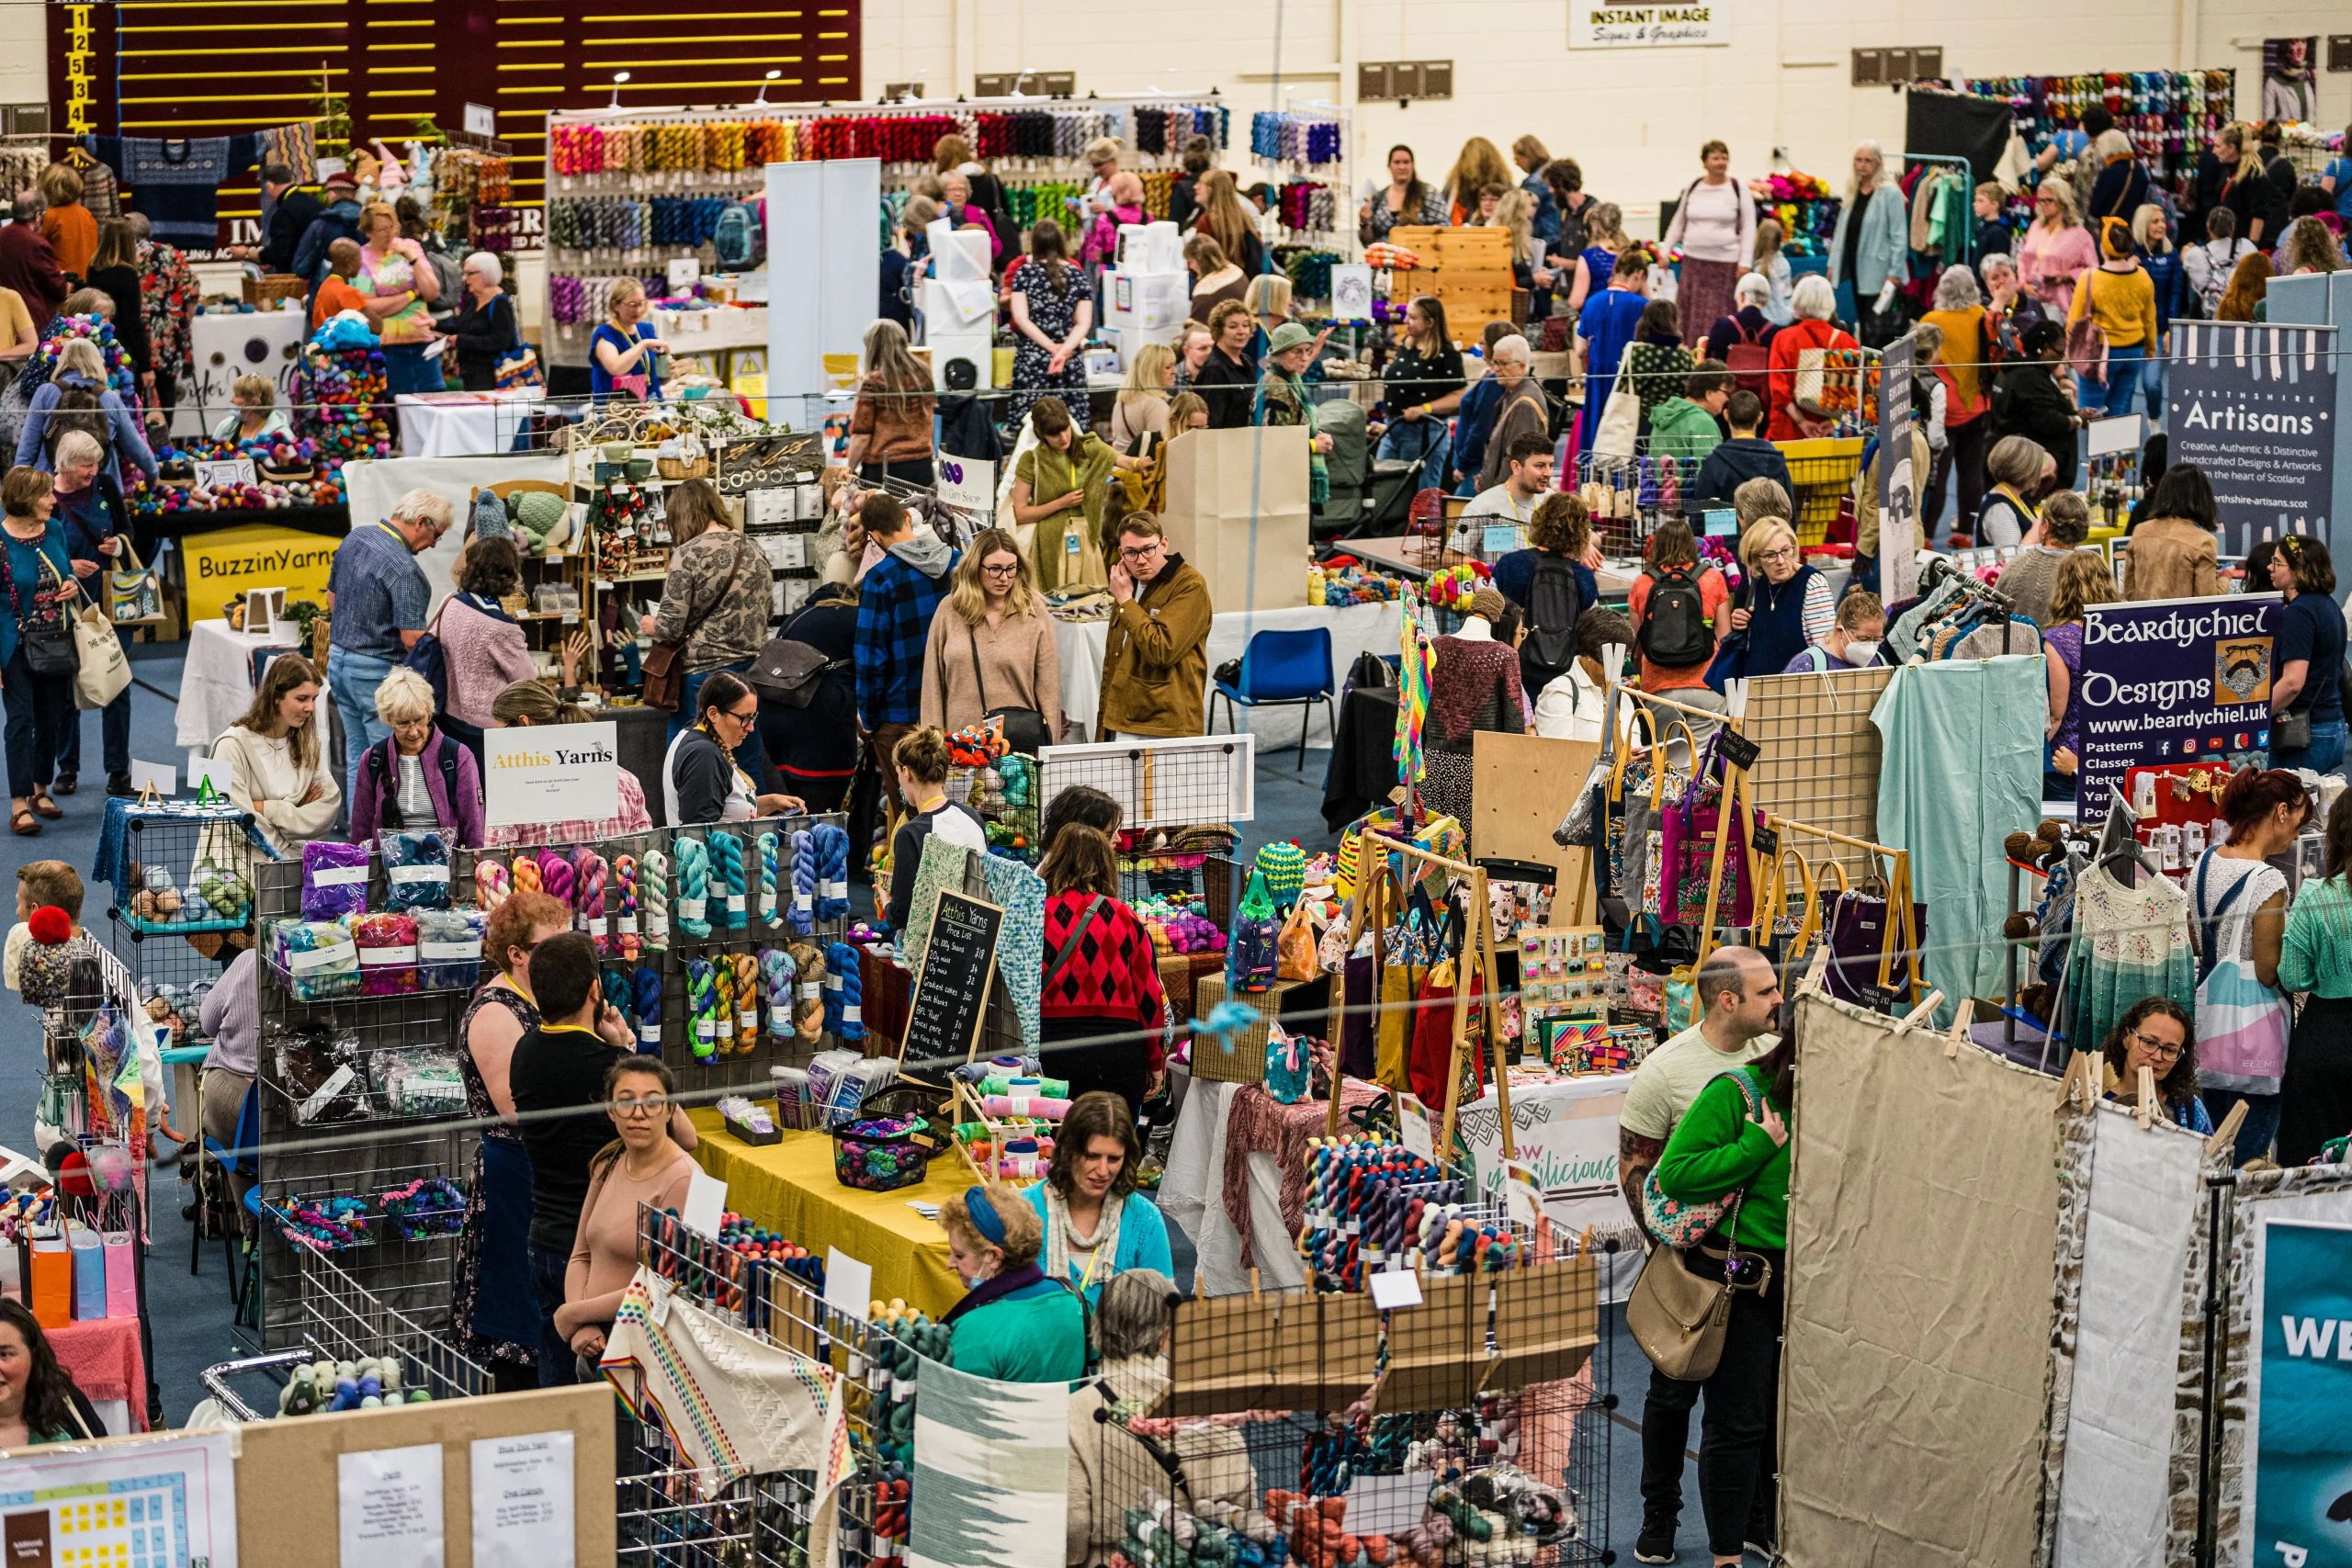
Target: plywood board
(1820, 757)
(1521, 786)
(286, 1476)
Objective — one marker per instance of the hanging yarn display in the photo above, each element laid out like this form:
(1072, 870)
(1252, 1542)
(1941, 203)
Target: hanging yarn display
(653, 894)
(747, 1001)
(804, 882)
(701, 1008)
(493, 885)
(646, 993)
(622, 995)
(727, 872)
(1305, 139)
(778, 975)
(843, 992)
(694, 888)
(764, 849)
(625, 939)
(809, 990)
(829, 843)
(591, 877)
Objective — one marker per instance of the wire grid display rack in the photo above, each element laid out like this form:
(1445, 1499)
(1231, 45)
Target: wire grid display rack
(1177, 782)
(184, 908)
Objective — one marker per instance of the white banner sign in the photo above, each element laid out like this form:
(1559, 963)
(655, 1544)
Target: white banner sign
(968, 482)
(556, 773)
(1593, 25)
(1565, 1134)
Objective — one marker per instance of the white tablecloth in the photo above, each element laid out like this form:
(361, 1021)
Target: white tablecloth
(1354, 629)
(222, 347)
(464, 424)
(216, 682)
(1191, 1198)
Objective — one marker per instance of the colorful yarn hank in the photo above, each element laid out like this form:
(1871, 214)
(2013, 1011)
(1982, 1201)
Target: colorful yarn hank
(726, 869)
(591, 876)
(622, 995)
(843, 992)
(648, 995)
(829, 844)
(722, 985)
(702, 996)
(747, 1002)
(653, 889)
(694, 888)
(493, 885)
(804, 882)
(777, 975)
(625, 939)
(527, 874)
(765, 846)
(556, 875)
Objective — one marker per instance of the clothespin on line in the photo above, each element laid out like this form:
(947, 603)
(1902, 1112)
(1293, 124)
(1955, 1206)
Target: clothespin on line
(2080, 1082)
(1910, 1020)
(2227, 1133)
(1958, 1036)
(2147, 1096)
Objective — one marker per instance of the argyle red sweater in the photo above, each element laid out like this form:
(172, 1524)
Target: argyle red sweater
(1112, 973)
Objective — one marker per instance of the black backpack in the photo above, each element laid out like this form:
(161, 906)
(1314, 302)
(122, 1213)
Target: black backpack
(1553, 605)
(1675, 630)
(379, 770)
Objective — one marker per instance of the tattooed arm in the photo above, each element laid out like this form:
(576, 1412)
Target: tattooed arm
(1636, 1156)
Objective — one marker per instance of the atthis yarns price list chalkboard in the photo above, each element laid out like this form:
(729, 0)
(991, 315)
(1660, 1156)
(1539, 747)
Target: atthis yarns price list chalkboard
(950, 992)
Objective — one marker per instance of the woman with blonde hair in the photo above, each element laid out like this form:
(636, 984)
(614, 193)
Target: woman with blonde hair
(37, 561)
(1783, 605)
(1481, 164)
(1515, 211)
(1773, 263)
(1269, 297)
(82, 369)
(991, 645)
(625, 354)
(1141, 408)
(1604, 231)
(890, 424)
(395, 266)
(1229, 221)
(2083, 578)
(1015, 1325)
(1529, 154)
(2055, 249)
(1422, 383)
(1215, 277)
(277, 764)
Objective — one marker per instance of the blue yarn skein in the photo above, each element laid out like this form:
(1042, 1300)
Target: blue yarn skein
(776, 975)
(830, 843)
(765, 848)
(843, 1017)
(727, 870)
(694, 888)
(649, 1011)
(621, 994)
(804, 882)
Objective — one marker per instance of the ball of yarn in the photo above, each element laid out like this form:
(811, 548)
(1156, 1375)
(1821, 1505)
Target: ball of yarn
(2018, 845)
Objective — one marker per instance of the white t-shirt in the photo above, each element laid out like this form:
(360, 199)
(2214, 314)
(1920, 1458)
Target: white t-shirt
(1670, 1078)
(1497, 506)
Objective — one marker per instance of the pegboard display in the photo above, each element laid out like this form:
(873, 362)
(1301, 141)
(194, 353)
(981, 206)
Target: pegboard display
(1819, 757)
(1180, 781)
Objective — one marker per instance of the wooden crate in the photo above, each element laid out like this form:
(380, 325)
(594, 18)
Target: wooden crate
(1246, 1063)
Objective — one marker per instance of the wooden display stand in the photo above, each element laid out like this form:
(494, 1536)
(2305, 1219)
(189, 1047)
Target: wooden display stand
(1521, 786)
(1772, 892)
(1738, 804)
(1467, 269)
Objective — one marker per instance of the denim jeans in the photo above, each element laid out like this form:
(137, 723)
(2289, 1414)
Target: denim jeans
(690, 696)
(2152, 384)
(2324, 755)
(114, 733)
(2261, 1125)
(40, 710)
(1426, 440)
(559, 1365)
(2121, 393)
(353, 678)
(408, 369)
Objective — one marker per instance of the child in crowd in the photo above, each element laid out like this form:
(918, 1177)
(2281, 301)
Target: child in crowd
(48, 919)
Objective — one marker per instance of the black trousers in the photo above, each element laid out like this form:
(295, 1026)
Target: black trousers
(1737, 1468)
(1964, 449)
(2316, 1096)
(39, 709)
(919, 472)
(1666, 1439)
(1120, 1066)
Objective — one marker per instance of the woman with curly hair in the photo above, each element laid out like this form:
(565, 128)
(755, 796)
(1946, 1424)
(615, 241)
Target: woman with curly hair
(2157, 1034)
(2309, 247)
(38, 1402)
(1481, 164)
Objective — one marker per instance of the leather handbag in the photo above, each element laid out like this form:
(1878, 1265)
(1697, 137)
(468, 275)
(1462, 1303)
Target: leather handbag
(1679, 1318)
(664, 663)
(790, 672)
(42, 627)
(1025, 729)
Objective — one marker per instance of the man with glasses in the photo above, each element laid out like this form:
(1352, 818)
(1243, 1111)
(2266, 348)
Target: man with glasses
(895, 604)
(378, 598)
(1155, 658)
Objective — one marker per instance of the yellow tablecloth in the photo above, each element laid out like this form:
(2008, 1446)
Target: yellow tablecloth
(789, 1188)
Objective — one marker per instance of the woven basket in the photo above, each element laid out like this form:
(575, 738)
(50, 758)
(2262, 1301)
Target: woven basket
(682, 468)
(276, 285)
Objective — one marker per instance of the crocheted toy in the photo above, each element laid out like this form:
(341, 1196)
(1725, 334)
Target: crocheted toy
(335, 880)
(493, 885)
(694, 890)
(624, 894)
(829, 844)
(701, 1008)
(1284, 865)
(747, 1001)
(803, 917)
(1453, 587)
(647, 989)
(590, 878)
(764, 850)
(653, 893)
(727, 871)
(416, 871)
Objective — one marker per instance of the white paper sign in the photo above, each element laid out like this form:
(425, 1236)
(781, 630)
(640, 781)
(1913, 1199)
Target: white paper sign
(849, 1284)
(522, 1501)
(227, 471)
(968, 482)
(685, 273)
(389, 1507)
(555, 773)
(1351, 292)
(480, 120)
(1566, 1134)
(161, 777)
(200, 769)
(1413, 1125)
(705, 1201)
(1395, 1288)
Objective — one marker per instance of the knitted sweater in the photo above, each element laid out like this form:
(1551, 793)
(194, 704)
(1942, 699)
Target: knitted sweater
(1019, 667)
(267, 770)
(484, 655)
(2122, 303)
(2316, 955)
(1112, 973)
(1716, 1148)
(1468, 675)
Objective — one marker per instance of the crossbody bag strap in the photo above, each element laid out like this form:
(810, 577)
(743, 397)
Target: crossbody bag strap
(978, 679)
(1077, 934)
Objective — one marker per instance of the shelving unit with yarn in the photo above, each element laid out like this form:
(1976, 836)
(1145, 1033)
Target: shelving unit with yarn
(1302, 152)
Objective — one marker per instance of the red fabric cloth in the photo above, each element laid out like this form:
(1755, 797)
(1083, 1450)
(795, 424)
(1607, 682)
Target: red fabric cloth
(1258, 1123)
(1432, 1047)
(102, 1357)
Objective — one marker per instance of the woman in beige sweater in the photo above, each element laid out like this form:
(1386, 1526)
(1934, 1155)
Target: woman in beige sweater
(277, 768)
(642, 1165)
(991, 642)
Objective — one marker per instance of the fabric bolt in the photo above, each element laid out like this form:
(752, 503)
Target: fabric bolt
(176, 183)
(1980, 720)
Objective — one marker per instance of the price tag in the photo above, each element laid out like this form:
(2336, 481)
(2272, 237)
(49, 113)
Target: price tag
(1737, 749)
(1767, 841)
(571, 618)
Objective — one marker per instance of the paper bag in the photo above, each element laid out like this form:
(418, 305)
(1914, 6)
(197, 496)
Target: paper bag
(89, 1274)
(1237, 512)
(122, 1274)
(53, 1281)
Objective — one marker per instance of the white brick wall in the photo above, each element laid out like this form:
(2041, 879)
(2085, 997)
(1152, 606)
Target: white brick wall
(23, 51)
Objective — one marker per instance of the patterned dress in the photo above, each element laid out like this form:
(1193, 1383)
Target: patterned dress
(1053, 311)
(167, 297)
(466, 1292)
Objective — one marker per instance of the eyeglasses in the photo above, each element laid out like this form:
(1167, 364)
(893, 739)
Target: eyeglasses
(653, 1105)
(1779, 552)
(2161, 1050)
(745, 719)
(1139, 552)
(1005, 570)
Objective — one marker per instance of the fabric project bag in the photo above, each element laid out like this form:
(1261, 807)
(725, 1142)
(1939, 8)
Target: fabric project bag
(1857, 928)
(102, 674)
(133, 596)
(1621, 423)
(1688, 855)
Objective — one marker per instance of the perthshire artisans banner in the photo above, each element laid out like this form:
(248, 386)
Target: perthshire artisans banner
(2299, 1461)
(2172, 680)
(2254, 406)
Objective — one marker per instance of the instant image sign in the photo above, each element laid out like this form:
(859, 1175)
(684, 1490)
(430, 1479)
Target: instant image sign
(554, 772)
(2298, 1454)
(1595, 26)
(2254, 405)
(2172, 680)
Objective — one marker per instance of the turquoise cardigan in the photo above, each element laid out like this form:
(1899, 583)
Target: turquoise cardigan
(1143, 1241)
(1036, 1335)
(1880, 254)
(2316, 954)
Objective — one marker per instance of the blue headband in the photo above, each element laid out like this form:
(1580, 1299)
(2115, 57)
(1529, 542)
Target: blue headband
(986, 1221)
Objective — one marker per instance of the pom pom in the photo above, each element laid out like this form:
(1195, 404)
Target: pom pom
(51, 925)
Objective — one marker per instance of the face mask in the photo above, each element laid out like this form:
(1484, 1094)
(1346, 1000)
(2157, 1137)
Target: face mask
(1859, 653)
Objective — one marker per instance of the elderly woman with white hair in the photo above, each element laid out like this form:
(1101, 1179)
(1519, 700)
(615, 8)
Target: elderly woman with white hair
(1794, 418)
(2009, 308)
(485, 328)
(418, 780)
(1959, 366)
(90, 506)
(1749, 324)
(82, 370)
(1867, 253)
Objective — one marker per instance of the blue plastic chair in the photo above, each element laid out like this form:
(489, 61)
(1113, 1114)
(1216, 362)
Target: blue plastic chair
(1282, 670)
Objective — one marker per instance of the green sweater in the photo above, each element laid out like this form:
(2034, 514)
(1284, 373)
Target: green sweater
(1036, 1335)
(2316, 954)
(1680, 428)
(1715, 1149)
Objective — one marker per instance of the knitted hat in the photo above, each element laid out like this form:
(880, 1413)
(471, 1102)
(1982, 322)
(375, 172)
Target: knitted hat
(1284, 865)
(1488, 606)
(2115, 239)
(538, 513)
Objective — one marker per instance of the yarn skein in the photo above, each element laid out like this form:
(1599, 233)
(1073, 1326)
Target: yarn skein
(694, 888)
(727, 870)
(492, 886)
(648, 988)
(778, 975)
(747, 1002)
(701, 1008)
(527, 874)
(723, 1004)
(842, 982)
(765, 846)
(804, 882)
(622, 995)
(556, 875)
(829, 843)
(592, 876)
(653, 887)
(624, 906)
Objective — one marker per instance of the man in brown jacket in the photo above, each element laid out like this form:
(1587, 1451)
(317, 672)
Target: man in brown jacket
(1155, 660)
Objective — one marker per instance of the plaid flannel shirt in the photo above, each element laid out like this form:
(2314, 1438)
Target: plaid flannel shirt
(894, 609)
(634, 818)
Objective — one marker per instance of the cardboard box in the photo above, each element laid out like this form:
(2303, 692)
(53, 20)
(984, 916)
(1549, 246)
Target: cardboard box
(1236, 510)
